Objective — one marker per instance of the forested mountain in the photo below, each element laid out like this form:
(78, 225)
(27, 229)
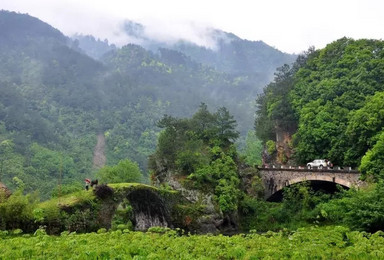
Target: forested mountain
(333, 99)
(94, 48)
(231, 73)
(55, 100)
(252, 61)
(47, 90)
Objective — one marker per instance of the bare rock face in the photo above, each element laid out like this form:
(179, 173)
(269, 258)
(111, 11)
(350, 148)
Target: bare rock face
(283, 147)
(143, 222)
(99, 158)
(4, 191)
(150, 210)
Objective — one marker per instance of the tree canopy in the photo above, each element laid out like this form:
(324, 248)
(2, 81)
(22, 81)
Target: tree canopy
(334, 97)
(202, 149)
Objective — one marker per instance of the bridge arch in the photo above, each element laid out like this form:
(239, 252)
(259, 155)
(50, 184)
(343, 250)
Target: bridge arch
(325, 178)
(275, 179)
(150, 206)
(149, 209)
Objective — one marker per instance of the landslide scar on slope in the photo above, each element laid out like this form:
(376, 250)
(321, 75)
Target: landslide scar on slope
(99, 158)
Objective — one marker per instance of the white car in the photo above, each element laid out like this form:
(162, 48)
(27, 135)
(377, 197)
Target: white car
(319, 163)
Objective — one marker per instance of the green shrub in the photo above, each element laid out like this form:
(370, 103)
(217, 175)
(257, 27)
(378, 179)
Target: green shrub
(101, 230)
(40, 231)
(372, 163)
(17, 211)
(332, 242)
(3, 233)
(358, 209)
(124, 171)
(17, 231)
(271, 146)
(160, 230)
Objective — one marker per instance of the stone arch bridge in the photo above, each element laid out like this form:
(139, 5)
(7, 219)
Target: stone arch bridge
(275, 179)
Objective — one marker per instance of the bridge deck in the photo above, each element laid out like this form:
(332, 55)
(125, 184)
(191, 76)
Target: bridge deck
(305, 169)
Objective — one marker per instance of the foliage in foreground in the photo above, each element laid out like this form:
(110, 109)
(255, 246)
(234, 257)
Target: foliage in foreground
(357, 209)
(333, 242)
(297, 209)
(360, 210)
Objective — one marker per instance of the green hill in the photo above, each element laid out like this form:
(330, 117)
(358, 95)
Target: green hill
(332, 98)
(55, 100)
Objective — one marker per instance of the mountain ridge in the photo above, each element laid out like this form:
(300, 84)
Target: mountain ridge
(229, 53)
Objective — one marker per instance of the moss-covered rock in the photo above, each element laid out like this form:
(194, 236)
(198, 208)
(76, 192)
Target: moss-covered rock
(87, 211)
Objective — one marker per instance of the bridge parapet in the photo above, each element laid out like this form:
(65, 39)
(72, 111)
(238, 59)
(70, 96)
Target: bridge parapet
(313, 169)
(275, 179)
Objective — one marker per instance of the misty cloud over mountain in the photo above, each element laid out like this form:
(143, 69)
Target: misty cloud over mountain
(211, 47)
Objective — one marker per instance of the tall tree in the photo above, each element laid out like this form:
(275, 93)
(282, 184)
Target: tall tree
(124, 171)
(226, 125)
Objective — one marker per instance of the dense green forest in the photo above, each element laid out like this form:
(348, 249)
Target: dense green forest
(201, 149)
(55, 100)
(332, 98)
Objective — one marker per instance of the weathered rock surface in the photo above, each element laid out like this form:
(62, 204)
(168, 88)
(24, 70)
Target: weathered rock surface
(210, 219)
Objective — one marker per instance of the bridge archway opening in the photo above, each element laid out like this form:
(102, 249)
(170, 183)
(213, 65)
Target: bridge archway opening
(316, 185)
(149, 209)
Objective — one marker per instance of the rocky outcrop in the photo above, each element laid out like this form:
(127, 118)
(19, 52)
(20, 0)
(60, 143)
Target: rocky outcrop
(283, 147)
(4, 191)
(88, 211)
(200, 213)
(151, 207)
(149, 210)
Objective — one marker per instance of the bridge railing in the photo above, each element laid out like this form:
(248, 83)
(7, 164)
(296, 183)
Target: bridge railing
(308, 169)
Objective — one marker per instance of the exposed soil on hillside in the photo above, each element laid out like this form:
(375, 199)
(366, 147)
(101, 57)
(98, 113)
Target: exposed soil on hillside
(99, 158)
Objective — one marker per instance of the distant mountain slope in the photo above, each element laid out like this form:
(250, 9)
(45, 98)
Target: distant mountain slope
(16, 29)
(94, 48)
(46, 89)
(231, 54)
(237, 56)
(55, 100)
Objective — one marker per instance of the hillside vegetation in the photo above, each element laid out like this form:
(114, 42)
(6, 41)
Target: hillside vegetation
(201, 150)
(318, 243)
(55, 100)
(333, 100)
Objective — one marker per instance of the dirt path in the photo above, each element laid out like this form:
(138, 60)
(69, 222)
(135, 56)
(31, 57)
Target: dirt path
(99, 158)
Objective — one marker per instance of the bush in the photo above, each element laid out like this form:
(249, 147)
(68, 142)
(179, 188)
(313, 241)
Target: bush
(271, 146)
(372, 164)
(101, 231)
(124, 171)
(40, 231)
(359, 209)
(17, 211)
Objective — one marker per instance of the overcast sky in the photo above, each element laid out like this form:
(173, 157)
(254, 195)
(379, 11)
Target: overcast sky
(288, 25)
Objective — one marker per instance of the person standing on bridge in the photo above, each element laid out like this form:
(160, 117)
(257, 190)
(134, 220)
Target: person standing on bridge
(87, 183)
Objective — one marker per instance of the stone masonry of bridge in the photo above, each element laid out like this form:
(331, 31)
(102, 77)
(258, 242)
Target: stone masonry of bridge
(275, 179)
